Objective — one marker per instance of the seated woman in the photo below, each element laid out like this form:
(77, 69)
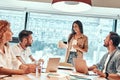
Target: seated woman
(9, 64)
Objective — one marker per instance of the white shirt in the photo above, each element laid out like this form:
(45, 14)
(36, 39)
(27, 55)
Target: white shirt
(8, 59)
(23, 53)
(105, 65)
(74, 42)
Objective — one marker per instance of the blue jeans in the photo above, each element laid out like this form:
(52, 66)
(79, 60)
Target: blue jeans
(71, 56)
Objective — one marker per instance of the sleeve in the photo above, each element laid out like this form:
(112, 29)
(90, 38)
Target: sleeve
(86, 43)
(1, 64)
(118, 69)
(15, 62)
(118, 64)
(100, 65)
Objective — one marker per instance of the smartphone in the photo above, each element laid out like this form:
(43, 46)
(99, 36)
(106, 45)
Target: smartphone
(65, 42)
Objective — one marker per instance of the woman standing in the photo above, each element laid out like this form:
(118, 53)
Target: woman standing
(77, 42)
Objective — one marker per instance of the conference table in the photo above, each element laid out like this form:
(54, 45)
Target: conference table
(61, 74)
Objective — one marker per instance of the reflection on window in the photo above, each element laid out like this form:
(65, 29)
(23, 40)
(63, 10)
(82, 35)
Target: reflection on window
(49, 29)
(97, 30)
(15, 18)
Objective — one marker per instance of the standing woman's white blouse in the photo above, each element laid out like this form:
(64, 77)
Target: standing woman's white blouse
(74, 42)
(8, 59)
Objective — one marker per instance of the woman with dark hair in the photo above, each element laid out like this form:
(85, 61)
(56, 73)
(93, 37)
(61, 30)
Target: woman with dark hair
(77, 42)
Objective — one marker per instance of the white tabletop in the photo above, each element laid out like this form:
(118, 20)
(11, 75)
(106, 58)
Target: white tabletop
(60, 75)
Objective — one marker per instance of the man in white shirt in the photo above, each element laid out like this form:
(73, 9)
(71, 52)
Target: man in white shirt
(22, 49)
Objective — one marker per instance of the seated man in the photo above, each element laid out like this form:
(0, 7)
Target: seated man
(9, 64)
(22, 50)
(109, 66)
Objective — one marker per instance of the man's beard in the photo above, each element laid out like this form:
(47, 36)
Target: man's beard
(28, 45)
(105, 45)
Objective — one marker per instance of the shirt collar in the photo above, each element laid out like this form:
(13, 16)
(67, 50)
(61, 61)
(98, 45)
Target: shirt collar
(81, 36)
(20, 47)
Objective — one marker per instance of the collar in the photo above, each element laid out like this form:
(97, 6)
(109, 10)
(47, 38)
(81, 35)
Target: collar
(5, 49)
(20, 46)
(113, 52)
(81, 36)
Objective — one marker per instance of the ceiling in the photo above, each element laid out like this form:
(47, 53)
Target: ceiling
(100, 8)
(98, 3)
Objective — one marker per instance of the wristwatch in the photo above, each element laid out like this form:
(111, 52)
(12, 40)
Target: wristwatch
(106, 75)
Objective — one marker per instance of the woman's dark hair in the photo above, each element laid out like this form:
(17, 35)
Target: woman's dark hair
(24, 34)
(115, 38)
(79, 23)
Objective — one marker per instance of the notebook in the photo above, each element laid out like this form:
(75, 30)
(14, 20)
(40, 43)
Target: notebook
(52, 65)
(80, 65)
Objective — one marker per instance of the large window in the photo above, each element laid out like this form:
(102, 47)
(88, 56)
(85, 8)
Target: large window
(96, 29)
(15, 18)
(49, 29)
(118, 28)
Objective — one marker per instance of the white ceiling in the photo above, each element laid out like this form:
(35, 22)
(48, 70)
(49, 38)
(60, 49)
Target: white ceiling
(98, 3)
(100, 8)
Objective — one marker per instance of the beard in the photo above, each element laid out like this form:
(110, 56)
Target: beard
(28, 45)
(106, 45)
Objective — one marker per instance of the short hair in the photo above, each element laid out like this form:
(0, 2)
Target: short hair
(24, 34)
(115, 38)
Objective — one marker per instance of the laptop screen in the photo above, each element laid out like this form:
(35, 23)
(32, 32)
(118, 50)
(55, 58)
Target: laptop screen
(52, 64)
(80, 65)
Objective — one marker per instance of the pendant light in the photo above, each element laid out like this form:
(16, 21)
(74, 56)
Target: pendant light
(72, 5)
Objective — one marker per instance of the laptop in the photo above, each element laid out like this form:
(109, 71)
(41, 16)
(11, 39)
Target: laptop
(52, 65)
(80, 65)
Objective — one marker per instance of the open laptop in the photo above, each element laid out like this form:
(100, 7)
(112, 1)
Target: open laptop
(80, 65)
(52, 65)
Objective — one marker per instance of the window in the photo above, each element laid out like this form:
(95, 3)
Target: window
(15, 18)
(49, 29)
(118, 28)
(96, 29)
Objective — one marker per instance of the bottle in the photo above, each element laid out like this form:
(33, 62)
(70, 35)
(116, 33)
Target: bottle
(41, 66)
(38, 69)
